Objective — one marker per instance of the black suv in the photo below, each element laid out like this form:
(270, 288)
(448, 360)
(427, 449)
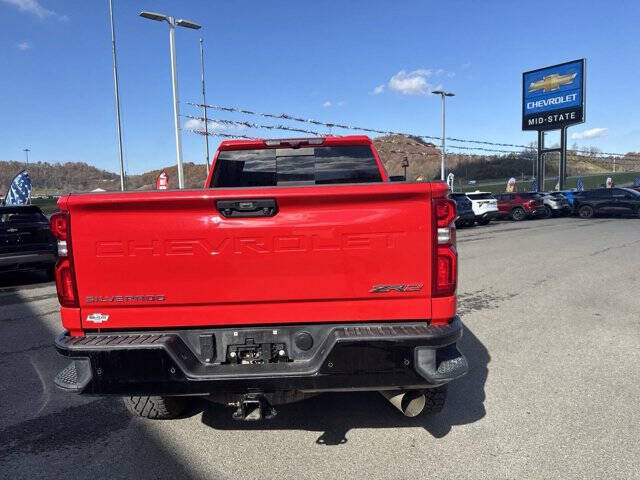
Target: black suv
(464, 209)
(607, 201)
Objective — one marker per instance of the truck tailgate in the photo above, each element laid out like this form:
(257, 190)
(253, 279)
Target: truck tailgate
(171, 259)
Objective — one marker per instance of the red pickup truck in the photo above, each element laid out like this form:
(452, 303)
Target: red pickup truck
(299, 268)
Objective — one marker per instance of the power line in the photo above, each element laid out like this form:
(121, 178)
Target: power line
(237, 123)
(286, 116)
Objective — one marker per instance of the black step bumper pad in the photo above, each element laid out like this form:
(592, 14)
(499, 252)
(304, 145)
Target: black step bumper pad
(343, 357)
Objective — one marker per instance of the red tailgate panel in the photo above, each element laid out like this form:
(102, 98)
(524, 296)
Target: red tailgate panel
(171, 259)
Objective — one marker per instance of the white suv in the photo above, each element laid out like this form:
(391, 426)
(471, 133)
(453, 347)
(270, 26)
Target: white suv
(485, 206)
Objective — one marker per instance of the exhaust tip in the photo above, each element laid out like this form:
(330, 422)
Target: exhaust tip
(410, 402)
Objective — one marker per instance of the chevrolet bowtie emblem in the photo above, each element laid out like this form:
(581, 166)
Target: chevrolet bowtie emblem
(552, 82)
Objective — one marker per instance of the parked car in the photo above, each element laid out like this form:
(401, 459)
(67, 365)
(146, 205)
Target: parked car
(519, 206)
(568, 194)
(26, 242)
(555, 204)
(464, 209)
(607, 201)
(485, 206)
(298, 267)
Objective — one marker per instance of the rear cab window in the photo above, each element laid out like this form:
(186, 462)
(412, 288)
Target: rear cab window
(312, 165)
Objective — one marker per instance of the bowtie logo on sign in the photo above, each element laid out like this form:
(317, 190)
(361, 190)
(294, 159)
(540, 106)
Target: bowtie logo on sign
(552, 82)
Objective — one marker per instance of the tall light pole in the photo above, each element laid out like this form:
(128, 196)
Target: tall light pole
(204, 106)
(158, 17)
(443, 94)
(26, 152)
(123, 185)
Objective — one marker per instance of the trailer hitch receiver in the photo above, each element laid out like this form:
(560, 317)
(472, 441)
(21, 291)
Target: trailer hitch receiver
(253, 407)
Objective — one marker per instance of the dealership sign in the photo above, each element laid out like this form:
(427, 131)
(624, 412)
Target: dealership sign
(553, 97)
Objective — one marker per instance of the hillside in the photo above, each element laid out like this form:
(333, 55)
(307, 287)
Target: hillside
(424, 161)
(56, 178)
(424, 157)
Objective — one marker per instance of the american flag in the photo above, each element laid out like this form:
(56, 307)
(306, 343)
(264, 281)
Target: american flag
(534, 186)
(580, 184)
(20, 190)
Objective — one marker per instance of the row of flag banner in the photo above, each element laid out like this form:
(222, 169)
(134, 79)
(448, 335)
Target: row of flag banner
(20, 190)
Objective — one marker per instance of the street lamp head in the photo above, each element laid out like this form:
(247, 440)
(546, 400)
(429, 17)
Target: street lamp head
(187, 24)
(443, 92)
(158, 17)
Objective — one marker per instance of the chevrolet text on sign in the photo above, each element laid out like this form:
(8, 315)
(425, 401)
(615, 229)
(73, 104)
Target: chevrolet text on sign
(553, 97)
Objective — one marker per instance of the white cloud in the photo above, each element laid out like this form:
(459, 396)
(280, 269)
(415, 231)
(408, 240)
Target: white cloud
(34, 7)
(591, 133)
(411, 83)
(326, 104)
(23, 45)
(378, 90)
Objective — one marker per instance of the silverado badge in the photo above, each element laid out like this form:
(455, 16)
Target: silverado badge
(97, 318)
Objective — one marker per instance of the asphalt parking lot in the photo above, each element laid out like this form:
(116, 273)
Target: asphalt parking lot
(552, 336)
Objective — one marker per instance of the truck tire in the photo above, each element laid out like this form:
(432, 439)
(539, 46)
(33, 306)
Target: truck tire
(585, 211)
(518, 214)
(435, 400)
(157, 408)
(548, 213)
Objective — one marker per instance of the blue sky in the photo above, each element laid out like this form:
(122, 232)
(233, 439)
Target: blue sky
(371, 63)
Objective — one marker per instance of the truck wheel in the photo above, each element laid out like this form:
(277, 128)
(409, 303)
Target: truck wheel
(547, 212)
(518, 214)
(435, 400)
(158, 408)
(585, 211)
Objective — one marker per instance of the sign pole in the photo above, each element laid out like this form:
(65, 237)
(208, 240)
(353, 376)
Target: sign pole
(540, 163)
(563, 158)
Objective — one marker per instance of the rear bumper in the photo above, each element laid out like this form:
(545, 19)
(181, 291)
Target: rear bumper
(341, 357)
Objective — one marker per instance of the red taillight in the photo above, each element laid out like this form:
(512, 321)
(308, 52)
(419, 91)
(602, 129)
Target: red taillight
(446, 272)
(65, 275)
(445, 261)
(59, 224)
(65, 283)
(445, 211)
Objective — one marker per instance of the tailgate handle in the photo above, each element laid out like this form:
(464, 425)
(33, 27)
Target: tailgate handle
(263, 207)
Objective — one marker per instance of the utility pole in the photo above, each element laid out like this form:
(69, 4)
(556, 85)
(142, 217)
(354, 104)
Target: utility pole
(174, 77)
(123, 185)
(26, 152)
(204, 107)
(443, 94)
